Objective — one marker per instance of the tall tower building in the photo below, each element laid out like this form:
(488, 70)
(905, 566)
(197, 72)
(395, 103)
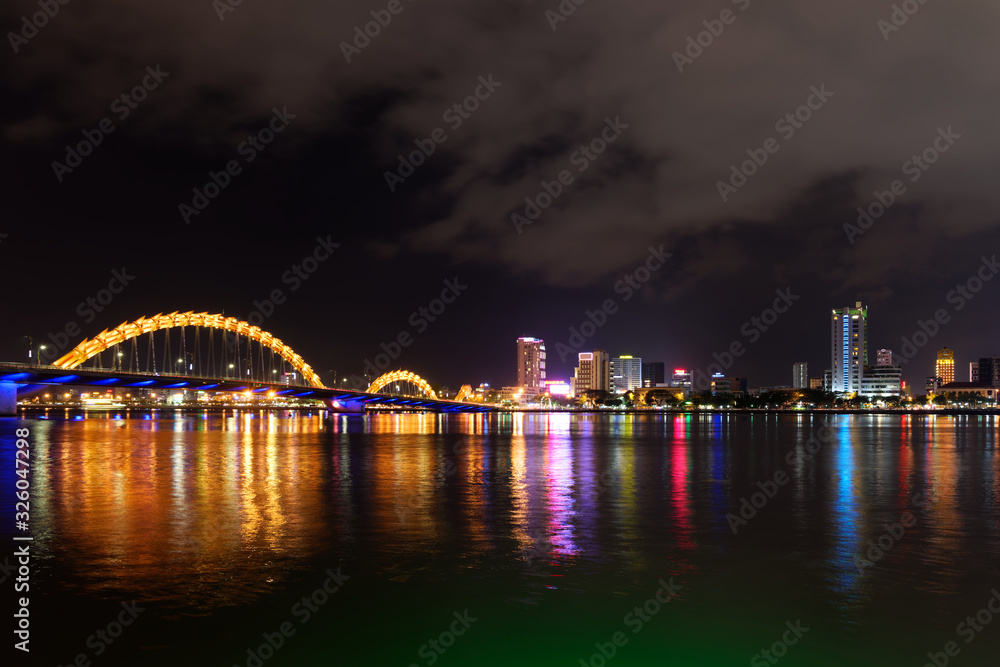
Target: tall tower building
(593, 371)
(530, 362)
(800, 375)
(848, 348)
(944, 368)
(989, 371)
(653, 373)
(883, 357)
(626, 373)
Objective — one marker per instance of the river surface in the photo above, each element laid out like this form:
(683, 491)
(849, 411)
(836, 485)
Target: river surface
(263, 539)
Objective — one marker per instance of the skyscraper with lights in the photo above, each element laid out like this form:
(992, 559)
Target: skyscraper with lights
(848, 348)
(530, 362)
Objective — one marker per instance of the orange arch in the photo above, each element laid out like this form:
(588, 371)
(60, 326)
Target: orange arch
(143, 325)
(401, 376)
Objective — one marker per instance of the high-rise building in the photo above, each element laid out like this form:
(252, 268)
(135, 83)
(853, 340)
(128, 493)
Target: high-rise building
(883, 357)
(800, 375)
(882, 382)
(682, 378)
(989, 371)
(848, 348)
(974, 372)
(653, 373)
(530, 362)
(593, 371)
(944, 368)
(721, 385)
(626, 373)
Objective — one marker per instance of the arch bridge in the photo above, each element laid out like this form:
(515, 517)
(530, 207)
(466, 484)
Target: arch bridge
(252, 360)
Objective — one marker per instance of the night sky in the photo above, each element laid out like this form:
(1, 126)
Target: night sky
(670, 118)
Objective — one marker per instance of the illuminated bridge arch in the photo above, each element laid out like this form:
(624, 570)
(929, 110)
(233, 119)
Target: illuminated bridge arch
(401, 376)
(144, 325)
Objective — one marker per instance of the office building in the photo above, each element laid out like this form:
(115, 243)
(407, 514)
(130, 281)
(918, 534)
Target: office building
(989, 371)
(848, 348)
(931, 385)
(593, 371)
(974, 372)
(626, 373)
(883, 357)
(815, 383)
(882, 382)
(653, 373)
(800, 375)
(944, 368)
(681, 378)
(530, 362)
(721, 385)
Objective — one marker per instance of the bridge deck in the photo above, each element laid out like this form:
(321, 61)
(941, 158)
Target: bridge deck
(30, 378)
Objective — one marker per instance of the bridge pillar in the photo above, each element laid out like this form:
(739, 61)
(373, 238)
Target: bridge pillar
(341, 405)
(8, 399)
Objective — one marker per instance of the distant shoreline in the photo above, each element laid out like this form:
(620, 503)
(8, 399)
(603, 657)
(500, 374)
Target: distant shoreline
(36, 409)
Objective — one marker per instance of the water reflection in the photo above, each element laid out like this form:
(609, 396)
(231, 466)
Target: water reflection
(211, 510)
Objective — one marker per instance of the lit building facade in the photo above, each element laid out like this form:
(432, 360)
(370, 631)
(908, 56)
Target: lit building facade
(800, 375)
(882, 382)
(626, 373)
(681, 378)
(944, 367)
(883, 357)
(530, 362)
(593, 371)
(849, 348)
